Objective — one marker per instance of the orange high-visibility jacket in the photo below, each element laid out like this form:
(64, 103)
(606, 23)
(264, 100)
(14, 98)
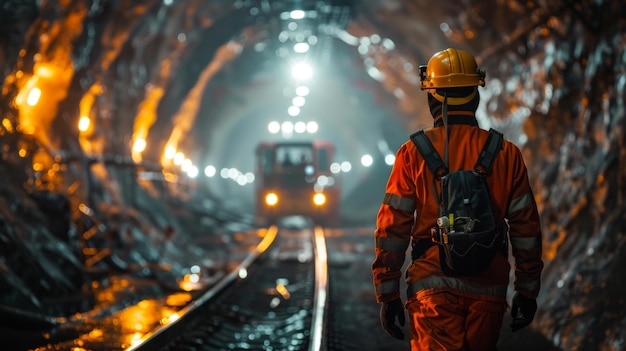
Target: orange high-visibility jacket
(410, 209)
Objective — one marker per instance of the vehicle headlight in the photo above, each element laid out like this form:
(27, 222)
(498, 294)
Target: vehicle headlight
(271, 199)
(319, 199)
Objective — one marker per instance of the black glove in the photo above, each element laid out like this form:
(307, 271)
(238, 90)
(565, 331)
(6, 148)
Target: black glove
(523, 311)
(389, 311)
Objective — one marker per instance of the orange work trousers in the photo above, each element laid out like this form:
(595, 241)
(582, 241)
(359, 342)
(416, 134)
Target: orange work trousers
(444, 321)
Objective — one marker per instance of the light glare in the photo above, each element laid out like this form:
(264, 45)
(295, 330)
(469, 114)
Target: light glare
(312, 127)
(233, 173)
(390, 159)
(302, 90)
(367, 160)
(83, 123)
(179, 158)
(139, 145)
(346, 166)
(301, 48)
(296, 14)
(241, 179)
(300, 127)
(298, 101)
(319, 199)
(250, 177)
(273, 127)
(224, 173)
(186, 165)
(287, 127)
(209, 171)
(33, 96)
(293, 111)
(302, 71)
(271, 199)
(192, 172)
(170, 152)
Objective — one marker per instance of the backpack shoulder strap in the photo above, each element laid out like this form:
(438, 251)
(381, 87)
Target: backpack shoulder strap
(430, 155)
(489, 152)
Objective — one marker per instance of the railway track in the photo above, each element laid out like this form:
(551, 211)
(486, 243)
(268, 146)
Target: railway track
(310, 290)
(275, 300)
(305, 289)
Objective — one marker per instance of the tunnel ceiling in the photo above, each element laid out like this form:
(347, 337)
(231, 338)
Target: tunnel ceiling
(208, 56)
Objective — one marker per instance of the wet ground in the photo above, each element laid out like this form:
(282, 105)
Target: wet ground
(128, 306)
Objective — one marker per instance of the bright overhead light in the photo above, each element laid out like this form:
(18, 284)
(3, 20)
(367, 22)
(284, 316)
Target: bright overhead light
(192, 172)
(241, 180)
(346, 166)
(390, 159)
(297, 14)
(224, 173)
(293, 111)
(209, 171)
(170, 152)
(249, 177)
(287, 127)
(367, 160)
(322, 180)
(301, 48)
(302, 71)
(273, 127)
(186, 165)
(302, 90)
(233, 173)
(179, 157)
(298, 101)
(300, 127)
(312, 127)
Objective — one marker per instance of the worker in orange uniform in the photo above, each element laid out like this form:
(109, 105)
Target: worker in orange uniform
(449, 311)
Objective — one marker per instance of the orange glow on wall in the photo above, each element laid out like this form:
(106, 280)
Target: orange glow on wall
(83, 123)
(144, 120)
(186, 115)
(86, 125)
(169, 153)
(6, 123)
(37, 101)
(139, 146)
(33, 96)
(40, 92)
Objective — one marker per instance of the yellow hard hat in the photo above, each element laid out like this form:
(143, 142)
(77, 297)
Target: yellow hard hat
(451, 68)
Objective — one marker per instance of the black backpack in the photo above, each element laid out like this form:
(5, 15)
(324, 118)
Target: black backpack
(466, 231)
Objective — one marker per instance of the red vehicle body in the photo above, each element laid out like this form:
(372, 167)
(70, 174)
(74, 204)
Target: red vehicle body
(294, 178)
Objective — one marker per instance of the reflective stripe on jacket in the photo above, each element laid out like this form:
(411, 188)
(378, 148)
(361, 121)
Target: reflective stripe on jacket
(410, 209)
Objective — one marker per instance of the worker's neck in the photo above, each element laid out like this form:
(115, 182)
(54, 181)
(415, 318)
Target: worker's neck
(457, 117)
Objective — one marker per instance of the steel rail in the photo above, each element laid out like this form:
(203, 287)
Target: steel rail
(320, 299)
(153, 340)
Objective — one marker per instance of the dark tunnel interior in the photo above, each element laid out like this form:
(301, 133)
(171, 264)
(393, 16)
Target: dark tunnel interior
(133, 118)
